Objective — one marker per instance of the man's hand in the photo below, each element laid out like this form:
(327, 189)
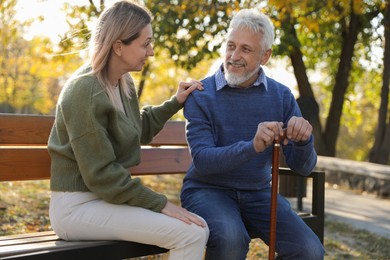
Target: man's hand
(266, 134)
(298, 130)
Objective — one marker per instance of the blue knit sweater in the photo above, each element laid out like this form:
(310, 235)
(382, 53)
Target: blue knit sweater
(221, 125)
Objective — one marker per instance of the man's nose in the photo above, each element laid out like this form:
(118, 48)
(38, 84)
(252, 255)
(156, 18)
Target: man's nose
(235, 55)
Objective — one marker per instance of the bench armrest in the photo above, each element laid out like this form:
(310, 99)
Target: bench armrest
(318, 199)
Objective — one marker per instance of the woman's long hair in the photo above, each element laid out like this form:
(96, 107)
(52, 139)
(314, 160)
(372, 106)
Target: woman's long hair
(122, 21)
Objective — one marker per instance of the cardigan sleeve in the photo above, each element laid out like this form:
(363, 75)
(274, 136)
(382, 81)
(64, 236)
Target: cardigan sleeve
(154, 117)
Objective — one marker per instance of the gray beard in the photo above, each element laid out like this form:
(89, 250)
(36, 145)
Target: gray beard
(235, 80)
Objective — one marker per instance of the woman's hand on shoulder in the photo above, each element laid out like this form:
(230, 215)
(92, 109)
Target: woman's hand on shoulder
(185, 88)
(182, 214)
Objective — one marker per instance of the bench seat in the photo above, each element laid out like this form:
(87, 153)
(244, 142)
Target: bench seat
(47, 245)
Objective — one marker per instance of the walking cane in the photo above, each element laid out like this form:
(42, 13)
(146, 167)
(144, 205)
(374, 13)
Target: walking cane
(274, 195)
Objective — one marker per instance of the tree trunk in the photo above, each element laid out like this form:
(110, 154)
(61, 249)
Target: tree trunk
(342, 81)
(381, 150)
(306, 101)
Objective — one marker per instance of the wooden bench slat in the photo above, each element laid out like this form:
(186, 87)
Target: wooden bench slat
(25, 129)
(48, 245)
(25, 163)
(156, 161)
(27, 235)
(34, 163)
(35, 130)
(173, 133)
(20, 240)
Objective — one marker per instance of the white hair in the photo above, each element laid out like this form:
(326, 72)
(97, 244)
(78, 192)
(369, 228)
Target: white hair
(257, 22)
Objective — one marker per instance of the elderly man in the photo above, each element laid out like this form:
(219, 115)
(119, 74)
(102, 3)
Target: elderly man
(231, 127)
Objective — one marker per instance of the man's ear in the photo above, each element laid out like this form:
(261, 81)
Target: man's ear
(266, 56)
(117, 47)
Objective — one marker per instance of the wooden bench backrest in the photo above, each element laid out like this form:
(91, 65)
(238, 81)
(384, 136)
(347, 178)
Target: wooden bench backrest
(24, 156)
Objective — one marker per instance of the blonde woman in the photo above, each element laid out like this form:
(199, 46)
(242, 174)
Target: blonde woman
(96, 137)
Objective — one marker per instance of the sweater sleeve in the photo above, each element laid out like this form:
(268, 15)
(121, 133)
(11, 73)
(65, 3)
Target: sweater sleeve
(300, 157)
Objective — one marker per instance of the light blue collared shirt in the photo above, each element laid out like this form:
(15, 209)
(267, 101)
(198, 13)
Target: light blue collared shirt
(221, 81)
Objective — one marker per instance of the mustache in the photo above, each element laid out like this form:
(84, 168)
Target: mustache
(236, 63)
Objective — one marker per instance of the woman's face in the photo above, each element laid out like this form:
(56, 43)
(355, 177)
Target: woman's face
(135, 54)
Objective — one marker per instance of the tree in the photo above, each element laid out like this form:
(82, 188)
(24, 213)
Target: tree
(326, 36)
(29, 72)
(380, 151)
(191, 31)
(15, 90)
(352, 24)
(78, 17)
(328, 30)
(10, 36)
(287, 19)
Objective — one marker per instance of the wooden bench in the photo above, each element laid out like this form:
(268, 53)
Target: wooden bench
(24, 156)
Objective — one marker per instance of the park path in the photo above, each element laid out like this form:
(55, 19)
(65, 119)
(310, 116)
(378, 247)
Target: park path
(362, 211)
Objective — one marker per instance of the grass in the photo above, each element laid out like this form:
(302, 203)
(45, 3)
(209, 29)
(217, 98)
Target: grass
(24, 208)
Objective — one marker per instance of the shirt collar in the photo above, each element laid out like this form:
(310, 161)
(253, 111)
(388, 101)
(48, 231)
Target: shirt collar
(221, 81)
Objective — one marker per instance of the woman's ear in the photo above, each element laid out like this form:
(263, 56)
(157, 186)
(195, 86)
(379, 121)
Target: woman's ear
(117, 47)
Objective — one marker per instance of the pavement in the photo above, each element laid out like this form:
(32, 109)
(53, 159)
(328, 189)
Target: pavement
(362, 211)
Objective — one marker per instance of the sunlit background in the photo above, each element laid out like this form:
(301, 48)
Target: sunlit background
(53, 25)
(52, 51)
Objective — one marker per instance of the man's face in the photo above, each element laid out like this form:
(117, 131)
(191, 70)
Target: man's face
(244, 55)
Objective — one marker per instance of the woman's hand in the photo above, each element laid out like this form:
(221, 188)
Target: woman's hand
(185, 88)
(182, 214)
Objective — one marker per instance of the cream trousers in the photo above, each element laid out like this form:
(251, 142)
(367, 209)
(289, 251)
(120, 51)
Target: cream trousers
(83, 216)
